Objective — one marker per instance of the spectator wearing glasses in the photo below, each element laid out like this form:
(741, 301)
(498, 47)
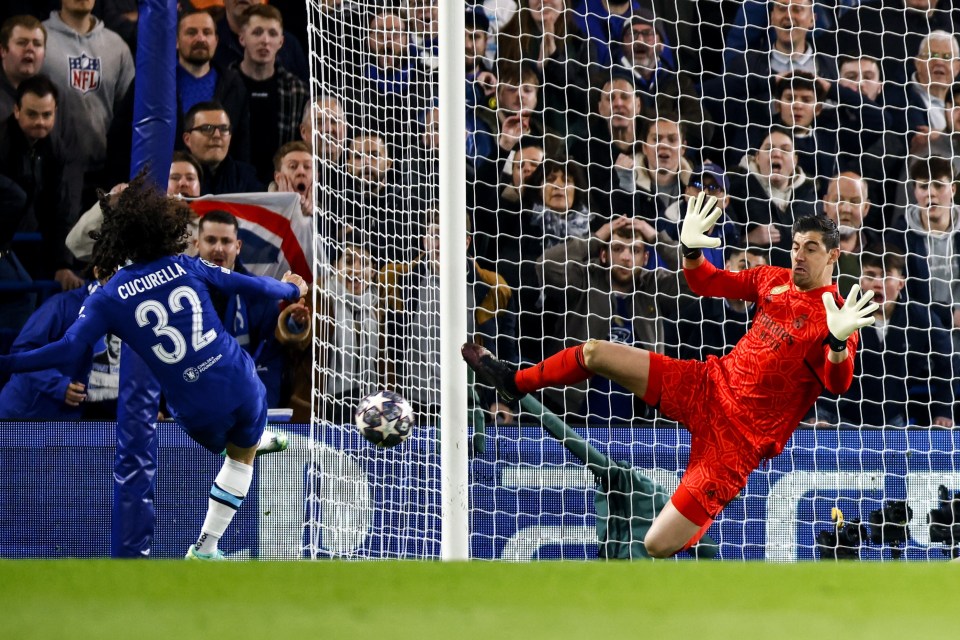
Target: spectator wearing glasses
(208, 135)
(887, 30)
(918, 116)
(199, 79)
(937, 63)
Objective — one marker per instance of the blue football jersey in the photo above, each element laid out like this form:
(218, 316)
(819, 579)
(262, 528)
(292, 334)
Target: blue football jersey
(163, 311)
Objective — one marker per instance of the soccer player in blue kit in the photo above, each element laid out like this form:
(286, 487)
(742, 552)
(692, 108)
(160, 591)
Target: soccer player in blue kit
(158, 302)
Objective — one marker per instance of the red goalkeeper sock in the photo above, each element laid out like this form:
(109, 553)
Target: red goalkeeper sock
(559, 369)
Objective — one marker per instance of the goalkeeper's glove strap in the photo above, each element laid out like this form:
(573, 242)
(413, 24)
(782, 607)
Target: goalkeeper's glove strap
(836, 344)
(690, 254)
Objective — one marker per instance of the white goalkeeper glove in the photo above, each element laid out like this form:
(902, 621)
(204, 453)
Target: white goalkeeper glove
(702, 214)
(855, 314)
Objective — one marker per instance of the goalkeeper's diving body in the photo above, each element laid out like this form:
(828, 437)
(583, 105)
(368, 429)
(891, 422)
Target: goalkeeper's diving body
(742, 408)
(158, 303)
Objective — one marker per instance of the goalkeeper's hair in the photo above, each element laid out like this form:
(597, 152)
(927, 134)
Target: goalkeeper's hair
(141, 224)
(823, 225)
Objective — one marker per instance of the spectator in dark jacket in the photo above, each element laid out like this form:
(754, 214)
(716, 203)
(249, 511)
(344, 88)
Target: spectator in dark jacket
(771, 196)
(798, 101)
(275, 96)
(208, 135)
(888, 30)
(230, 51)
(930, 234)
(742, 94)
(861, 114)
(30, 158)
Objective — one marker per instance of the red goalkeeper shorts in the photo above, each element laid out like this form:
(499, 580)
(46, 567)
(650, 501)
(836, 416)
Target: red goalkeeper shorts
(721, 458)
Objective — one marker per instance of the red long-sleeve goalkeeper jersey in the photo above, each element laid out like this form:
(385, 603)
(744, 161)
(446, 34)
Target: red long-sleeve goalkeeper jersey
(772, 377)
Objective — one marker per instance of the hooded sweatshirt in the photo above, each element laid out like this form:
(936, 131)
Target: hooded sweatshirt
(93, 73)
(941, 256)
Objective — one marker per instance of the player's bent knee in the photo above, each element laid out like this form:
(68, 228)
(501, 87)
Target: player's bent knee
(591, 351)
(660, 546)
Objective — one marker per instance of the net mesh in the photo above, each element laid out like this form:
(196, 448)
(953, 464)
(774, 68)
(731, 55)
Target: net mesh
(588, 122)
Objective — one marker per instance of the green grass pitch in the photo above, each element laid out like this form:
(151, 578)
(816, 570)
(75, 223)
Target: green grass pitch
(171, 600)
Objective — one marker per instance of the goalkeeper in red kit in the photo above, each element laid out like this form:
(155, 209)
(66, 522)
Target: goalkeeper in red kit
(742, 408)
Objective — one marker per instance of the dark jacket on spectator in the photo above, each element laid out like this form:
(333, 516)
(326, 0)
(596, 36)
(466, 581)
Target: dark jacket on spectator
(599, 154)
(751, 206)
(38, 171)
(231, 176)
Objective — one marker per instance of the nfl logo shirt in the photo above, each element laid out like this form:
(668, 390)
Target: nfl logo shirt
(84, 73)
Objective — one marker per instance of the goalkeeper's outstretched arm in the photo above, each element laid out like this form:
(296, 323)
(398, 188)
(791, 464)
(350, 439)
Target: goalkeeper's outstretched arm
(704, 278)
(702, 215)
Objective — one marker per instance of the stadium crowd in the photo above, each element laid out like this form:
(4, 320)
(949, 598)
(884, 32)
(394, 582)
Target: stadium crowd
(589, 124)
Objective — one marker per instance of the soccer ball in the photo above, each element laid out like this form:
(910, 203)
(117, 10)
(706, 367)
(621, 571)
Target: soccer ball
(384, 418)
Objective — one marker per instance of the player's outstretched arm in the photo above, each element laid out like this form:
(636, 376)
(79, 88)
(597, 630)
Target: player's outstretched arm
(257, 286)
(702, 215)
(62, 353)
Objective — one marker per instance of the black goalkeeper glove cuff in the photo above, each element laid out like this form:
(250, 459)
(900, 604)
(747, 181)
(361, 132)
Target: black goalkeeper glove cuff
(690, 254)
(836, 344)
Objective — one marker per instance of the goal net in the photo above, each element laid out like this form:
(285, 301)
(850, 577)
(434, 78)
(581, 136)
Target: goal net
(588, 124)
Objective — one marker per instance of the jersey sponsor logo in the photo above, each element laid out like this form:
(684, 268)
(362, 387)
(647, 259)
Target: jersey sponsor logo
(771, 333)
(150, 281)
(779, 289)
(84, 72)
(192, 374)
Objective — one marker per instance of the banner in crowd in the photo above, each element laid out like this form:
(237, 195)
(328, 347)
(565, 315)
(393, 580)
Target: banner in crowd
(276, 236)
(344, 498)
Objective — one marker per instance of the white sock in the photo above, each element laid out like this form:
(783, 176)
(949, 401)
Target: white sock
(226, 496)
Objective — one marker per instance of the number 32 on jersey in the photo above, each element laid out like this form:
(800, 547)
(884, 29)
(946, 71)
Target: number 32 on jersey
(162, 328)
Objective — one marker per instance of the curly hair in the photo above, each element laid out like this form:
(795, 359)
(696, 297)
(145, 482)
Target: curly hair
(141, 224)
